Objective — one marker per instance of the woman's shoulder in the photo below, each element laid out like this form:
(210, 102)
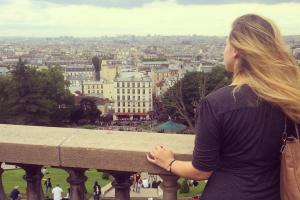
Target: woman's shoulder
(228, 93)
(221, 92)
(225, 98)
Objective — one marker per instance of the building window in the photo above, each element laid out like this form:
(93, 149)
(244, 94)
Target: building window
(149, 91)
(123, 97)
(133, 97)
(143, 91)
(138, 91)
(101, 86)
(124, 110)
(128, 110)
(143, 84)
(123, 84)
(144, 104)
(118, 91)
(144, 110)
(133, 84)
(133, 110)
(119, 110)
(118, 85)
(128, 84)
(139, 98)
(118, 97)
(133, 105)
(97, 91)
(139, 110)
(128, 91)
(123, 91)
(133, 91)
(88, 91)
(128, 97)
(139, 104)
(97, 86)
(128, 104)
(123, 104)
(119, 104)
(101, 91)
(138, 85)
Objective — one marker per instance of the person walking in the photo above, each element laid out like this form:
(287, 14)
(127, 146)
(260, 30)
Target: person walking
(15, 194)
(97, 191)
(138, 182)
(239, 128)
(57, 192)
(48, 185)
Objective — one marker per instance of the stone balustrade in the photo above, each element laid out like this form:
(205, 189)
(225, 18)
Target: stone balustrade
(75, 150)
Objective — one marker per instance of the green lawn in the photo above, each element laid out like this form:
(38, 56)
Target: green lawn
(58, 176)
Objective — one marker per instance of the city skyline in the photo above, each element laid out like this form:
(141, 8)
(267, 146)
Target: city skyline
(92, 18)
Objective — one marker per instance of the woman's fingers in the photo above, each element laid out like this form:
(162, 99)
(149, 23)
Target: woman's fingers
(150, 159)
(152, 154)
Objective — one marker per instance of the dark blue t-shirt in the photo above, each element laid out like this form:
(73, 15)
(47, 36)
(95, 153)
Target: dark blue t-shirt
(239, 138)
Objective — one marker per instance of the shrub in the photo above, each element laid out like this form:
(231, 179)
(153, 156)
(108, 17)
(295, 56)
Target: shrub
(105, 176)
(184, 187)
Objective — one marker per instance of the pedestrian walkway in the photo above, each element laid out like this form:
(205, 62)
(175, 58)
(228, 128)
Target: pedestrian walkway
(109, 192)
(145, 192)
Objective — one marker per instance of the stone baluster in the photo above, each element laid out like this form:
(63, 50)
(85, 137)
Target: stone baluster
(169, 187)
(33, 177)
(76, 180)
(121, 184)
(2, 193)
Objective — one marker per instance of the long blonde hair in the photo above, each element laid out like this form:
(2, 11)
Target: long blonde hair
(266, 64)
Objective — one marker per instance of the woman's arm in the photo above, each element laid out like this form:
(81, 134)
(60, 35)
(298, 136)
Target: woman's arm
(187, 170)
(164, 158)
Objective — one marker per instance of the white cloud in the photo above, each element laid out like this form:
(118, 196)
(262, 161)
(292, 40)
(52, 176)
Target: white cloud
(25, 18)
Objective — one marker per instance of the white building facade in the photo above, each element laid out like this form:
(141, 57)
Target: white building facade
(133, 97)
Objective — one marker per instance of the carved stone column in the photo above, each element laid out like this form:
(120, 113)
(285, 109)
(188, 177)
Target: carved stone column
(76, 180)
(169, 187)
(2, 194)
(121, 184)
(33, 177)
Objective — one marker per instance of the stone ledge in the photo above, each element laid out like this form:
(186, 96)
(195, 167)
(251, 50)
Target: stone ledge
(81, 148)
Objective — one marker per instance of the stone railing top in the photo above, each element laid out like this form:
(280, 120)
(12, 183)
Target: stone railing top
(82, 148)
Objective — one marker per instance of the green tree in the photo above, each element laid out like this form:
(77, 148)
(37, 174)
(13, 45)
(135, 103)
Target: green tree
(97, 65)
(182, 98)
(34, 97)
(87, 111)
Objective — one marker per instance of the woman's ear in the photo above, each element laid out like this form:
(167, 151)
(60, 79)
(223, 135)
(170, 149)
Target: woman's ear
(235, 53)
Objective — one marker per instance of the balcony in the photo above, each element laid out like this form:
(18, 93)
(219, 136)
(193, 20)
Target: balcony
(75, 150)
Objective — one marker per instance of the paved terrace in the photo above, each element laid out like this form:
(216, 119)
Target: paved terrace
(119, 153)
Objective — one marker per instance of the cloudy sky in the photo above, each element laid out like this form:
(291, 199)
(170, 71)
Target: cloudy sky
(89, 18)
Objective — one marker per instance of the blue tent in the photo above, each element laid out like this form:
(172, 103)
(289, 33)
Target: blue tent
(170, 126)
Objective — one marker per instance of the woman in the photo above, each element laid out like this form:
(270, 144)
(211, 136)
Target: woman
(239, 127)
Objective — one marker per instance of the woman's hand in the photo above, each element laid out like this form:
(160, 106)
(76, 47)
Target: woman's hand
(161, 156)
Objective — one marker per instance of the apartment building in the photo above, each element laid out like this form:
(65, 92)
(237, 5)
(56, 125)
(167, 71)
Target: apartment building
(133, 96)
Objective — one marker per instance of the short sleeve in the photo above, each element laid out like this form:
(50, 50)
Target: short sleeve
(207, 140)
